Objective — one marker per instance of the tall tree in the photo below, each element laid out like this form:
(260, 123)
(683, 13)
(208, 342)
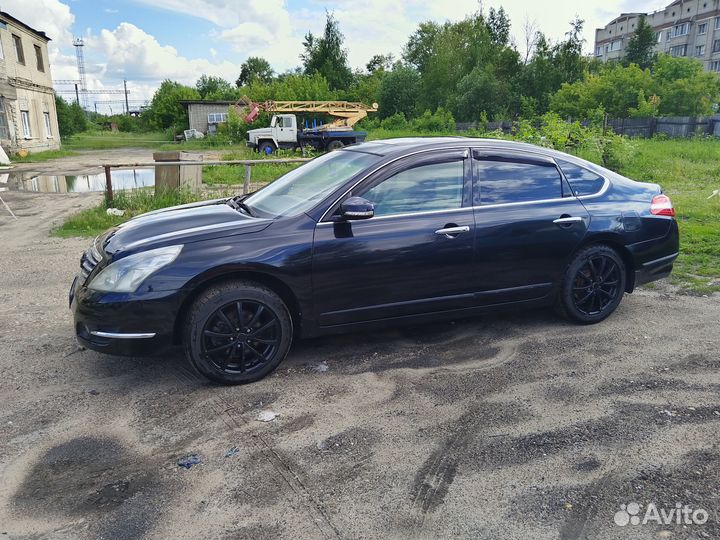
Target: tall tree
(499, 25)
(325, 55)
(641, 45)
(165, 110)
(399, 91)
(210, 87)
(380, 61)
(255, 68)
(421, 45)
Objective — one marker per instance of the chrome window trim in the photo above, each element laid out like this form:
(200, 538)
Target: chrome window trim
(606, 184)
(404, 214)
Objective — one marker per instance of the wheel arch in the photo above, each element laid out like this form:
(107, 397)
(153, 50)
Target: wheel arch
(273, 283)
(618, 245)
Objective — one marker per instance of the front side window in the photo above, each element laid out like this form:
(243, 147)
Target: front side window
(508, 181)
(302, 188)
(582, 181)
(19, 53)
(426, 188)
(25, 119)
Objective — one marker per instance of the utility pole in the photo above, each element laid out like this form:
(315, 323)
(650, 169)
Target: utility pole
(96, 108)
(127, 106)
(77, 95)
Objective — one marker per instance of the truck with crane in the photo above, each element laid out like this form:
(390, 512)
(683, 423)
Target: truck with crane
(286, 132)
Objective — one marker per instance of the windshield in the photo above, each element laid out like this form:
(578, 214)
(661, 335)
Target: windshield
(302, 188)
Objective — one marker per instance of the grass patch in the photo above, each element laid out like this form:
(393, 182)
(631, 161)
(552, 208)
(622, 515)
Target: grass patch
(688, 171)
(106, 140)
(38, 157)
(94, 221)
(235, 174)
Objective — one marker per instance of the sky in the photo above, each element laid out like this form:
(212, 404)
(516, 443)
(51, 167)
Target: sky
(146, 41)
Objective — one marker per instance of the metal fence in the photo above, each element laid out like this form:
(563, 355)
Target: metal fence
(247, 163)
(672, 126)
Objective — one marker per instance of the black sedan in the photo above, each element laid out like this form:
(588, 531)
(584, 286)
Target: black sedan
(393, 231)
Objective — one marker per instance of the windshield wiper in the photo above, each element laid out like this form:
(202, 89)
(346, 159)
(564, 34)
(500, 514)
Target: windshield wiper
(236, 204)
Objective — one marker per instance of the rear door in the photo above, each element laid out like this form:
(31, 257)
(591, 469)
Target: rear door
(528, 223)
(414, 256)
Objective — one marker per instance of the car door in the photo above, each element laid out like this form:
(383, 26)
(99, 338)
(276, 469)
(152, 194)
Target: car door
(414, 256)
(286, 129)
(528, 223)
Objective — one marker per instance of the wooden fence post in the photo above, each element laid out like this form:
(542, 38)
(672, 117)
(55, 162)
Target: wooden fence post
(246, 185)
(108, 187)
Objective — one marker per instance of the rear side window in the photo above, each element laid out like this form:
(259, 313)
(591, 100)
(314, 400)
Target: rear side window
(582, 181)
(504, 182)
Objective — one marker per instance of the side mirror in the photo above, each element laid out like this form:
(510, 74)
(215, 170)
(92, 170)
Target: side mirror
(357, 208)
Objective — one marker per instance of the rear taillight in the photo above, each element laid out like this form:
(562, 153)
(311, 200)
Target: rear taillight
(662, 206)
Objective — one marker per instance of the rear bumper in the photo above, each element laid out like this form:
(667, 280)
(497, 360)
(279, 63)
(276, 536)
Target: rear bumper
(654, 270)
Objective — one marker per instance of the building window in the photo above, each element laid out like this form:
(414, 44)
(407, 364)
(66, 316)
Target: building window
(658, 37)
(669, 35)
(699, 50)
(717, 23)
(715, 66)
(702, 29)
(4, 130)
(678, 50)
(217, 118)
(2, 52)
(680, 29)
(616, 45)
(48, 125)
(39, 58)
(19, 54)
(598, 51)
(25, 117)
(716, 45)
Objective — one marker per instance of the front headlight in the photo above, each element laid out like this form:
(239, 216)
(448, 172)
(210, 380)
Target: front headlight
(127, 274)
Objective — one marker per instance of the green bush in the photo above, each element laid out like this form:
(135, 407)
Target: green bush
(439, 121)
(395, 122)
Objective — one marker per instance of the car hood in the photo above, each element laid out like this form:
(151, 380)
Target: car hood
(260, 131)
(179, 225)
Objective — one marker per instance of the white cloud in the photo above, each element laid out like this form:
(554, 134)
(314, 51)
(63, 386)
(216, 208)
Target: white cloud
(133, 54)
(110, 10)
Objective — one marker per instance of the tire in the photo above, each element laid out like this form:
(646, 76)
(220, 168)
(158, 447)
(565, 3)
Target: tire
(334, 145)
(266, 147)
(593, 285)
(231, 353)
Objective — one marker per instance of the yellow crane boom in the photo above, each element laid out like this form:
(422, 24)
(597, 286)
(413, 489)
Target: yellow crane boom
(347, 113)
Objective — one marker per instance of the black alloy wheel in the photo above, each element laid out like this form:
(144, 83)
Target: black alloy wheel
(594, 285)
(237, 332)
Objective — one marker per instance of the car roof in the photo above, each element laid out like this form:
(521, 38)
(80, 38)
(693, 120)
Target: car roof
(393, 148)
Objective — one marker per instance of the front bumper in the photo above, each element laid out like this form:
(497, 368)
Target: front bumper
(135, 324)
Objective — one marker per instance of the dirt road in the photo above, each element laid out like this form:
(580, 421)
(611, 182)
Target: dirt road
(511, 426)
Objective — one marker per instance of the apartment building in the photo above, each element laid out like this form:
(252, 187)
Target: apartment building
(688, 28)
(28, 119)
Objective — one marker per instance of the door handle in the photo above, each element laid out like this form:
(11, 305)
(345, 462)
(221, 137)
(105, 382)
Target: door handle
(567, 220)
(452, 232)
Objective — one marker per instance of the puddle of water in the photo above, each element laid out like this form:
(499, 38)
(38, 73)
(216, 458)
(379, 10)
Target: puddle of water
(121, 179)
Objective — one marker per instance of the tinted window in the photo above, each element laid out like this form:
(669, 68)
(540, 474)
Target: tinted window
(509, 182)
(302, 188)
(582, 181)
(438, 186)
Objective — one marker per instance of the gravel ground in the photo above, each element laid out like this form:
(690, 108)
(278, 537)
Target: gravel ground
(505, 426)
